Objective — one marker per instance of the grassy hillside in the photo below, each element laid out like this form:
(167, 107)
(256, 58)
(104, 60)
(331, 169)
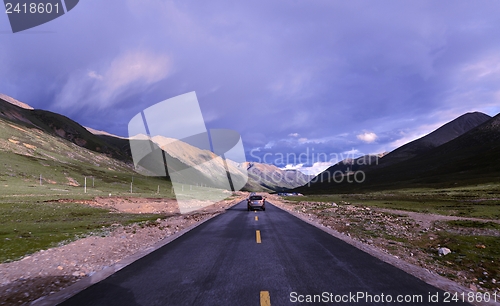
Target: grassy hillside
(26, 153)
(60, 126)
(30, 217)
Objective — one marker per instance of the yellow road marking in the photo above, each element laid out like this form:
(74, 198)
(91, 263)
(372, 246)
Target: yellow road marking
(265, 299)
(257, 236)
(256, 218)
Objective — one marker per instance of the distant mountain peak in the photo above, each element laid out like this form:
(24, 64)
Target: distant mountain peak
(15, 102)
(98, 132)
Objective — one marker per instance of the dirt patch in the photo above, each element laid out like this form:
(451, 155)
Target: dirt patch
(27, 145)
(72, 182)
(48, 271)
(130, 204)
(49, 181)
(135, 205)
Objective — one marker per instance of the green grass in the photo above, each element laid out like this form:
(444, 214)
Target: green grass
(482, 201)
(31, 220)
(474, 224)
(28, 227)
(467, 256)
(20, 176)
(472, 253)
(30, 217)
(317, 198)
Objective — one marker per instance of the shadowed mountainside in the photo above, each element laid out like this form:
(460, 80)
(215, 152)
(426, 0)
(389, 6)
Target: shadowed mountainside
(445, 133)
(471, 158)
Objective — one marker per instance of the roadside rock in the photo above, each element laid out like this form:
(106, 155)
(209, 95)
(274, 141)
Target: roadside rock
(444, 251)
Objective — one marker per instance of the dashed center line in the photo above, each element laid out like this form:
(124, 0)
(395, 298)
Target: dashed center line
(257, 236)
(256, 218)
(265, 299)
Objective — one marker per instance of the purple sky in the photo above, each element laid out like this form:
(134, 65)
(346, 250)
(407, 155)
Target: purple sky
(321, 78)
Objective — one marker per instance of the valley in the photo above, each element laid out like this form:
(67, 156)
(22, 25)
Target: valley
(64, 187)
(172, 152)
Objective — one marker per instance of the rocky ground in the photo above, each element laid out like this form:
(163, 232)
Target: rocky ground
(409, 236)
(48, 271)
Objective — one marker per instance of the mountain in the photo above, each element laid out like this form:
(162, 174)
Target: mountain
(206, 167)
(122, 143)
(349, 165)
(202, 166)
(35, 161)
(194, 162)
(15, 102)
(445, 133)
(471, 158)
(274, 178)
(57, 125)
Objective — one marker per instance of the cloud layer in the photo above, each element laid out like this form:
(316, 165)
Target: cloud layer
(333, 76)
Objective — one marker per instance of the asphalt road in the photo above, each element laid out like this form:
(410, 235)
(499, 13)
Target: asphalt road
(226, 262)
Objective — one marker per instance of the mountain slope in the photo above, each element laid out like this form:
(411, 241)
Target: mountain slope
(273, 178)
(203, 166)
(472, 158)
(34, 161)
(15, 102)
(210, 169)
(194, 162)
(57, 125)
(349, 165)
(445, 133)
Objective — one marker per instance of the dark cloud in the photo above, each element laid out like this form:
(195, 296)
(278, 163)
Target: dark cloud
(267, 69)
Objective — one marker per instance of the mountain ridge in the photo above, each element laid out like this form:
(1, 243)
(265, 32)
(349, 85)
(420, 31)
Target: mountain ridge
(181, 155)
(15, 102)
(473, 157)
(60, 126)
(441, 135)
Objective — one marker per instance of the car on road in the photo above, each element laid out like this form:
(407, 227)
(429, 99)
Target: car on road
(256, 201)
